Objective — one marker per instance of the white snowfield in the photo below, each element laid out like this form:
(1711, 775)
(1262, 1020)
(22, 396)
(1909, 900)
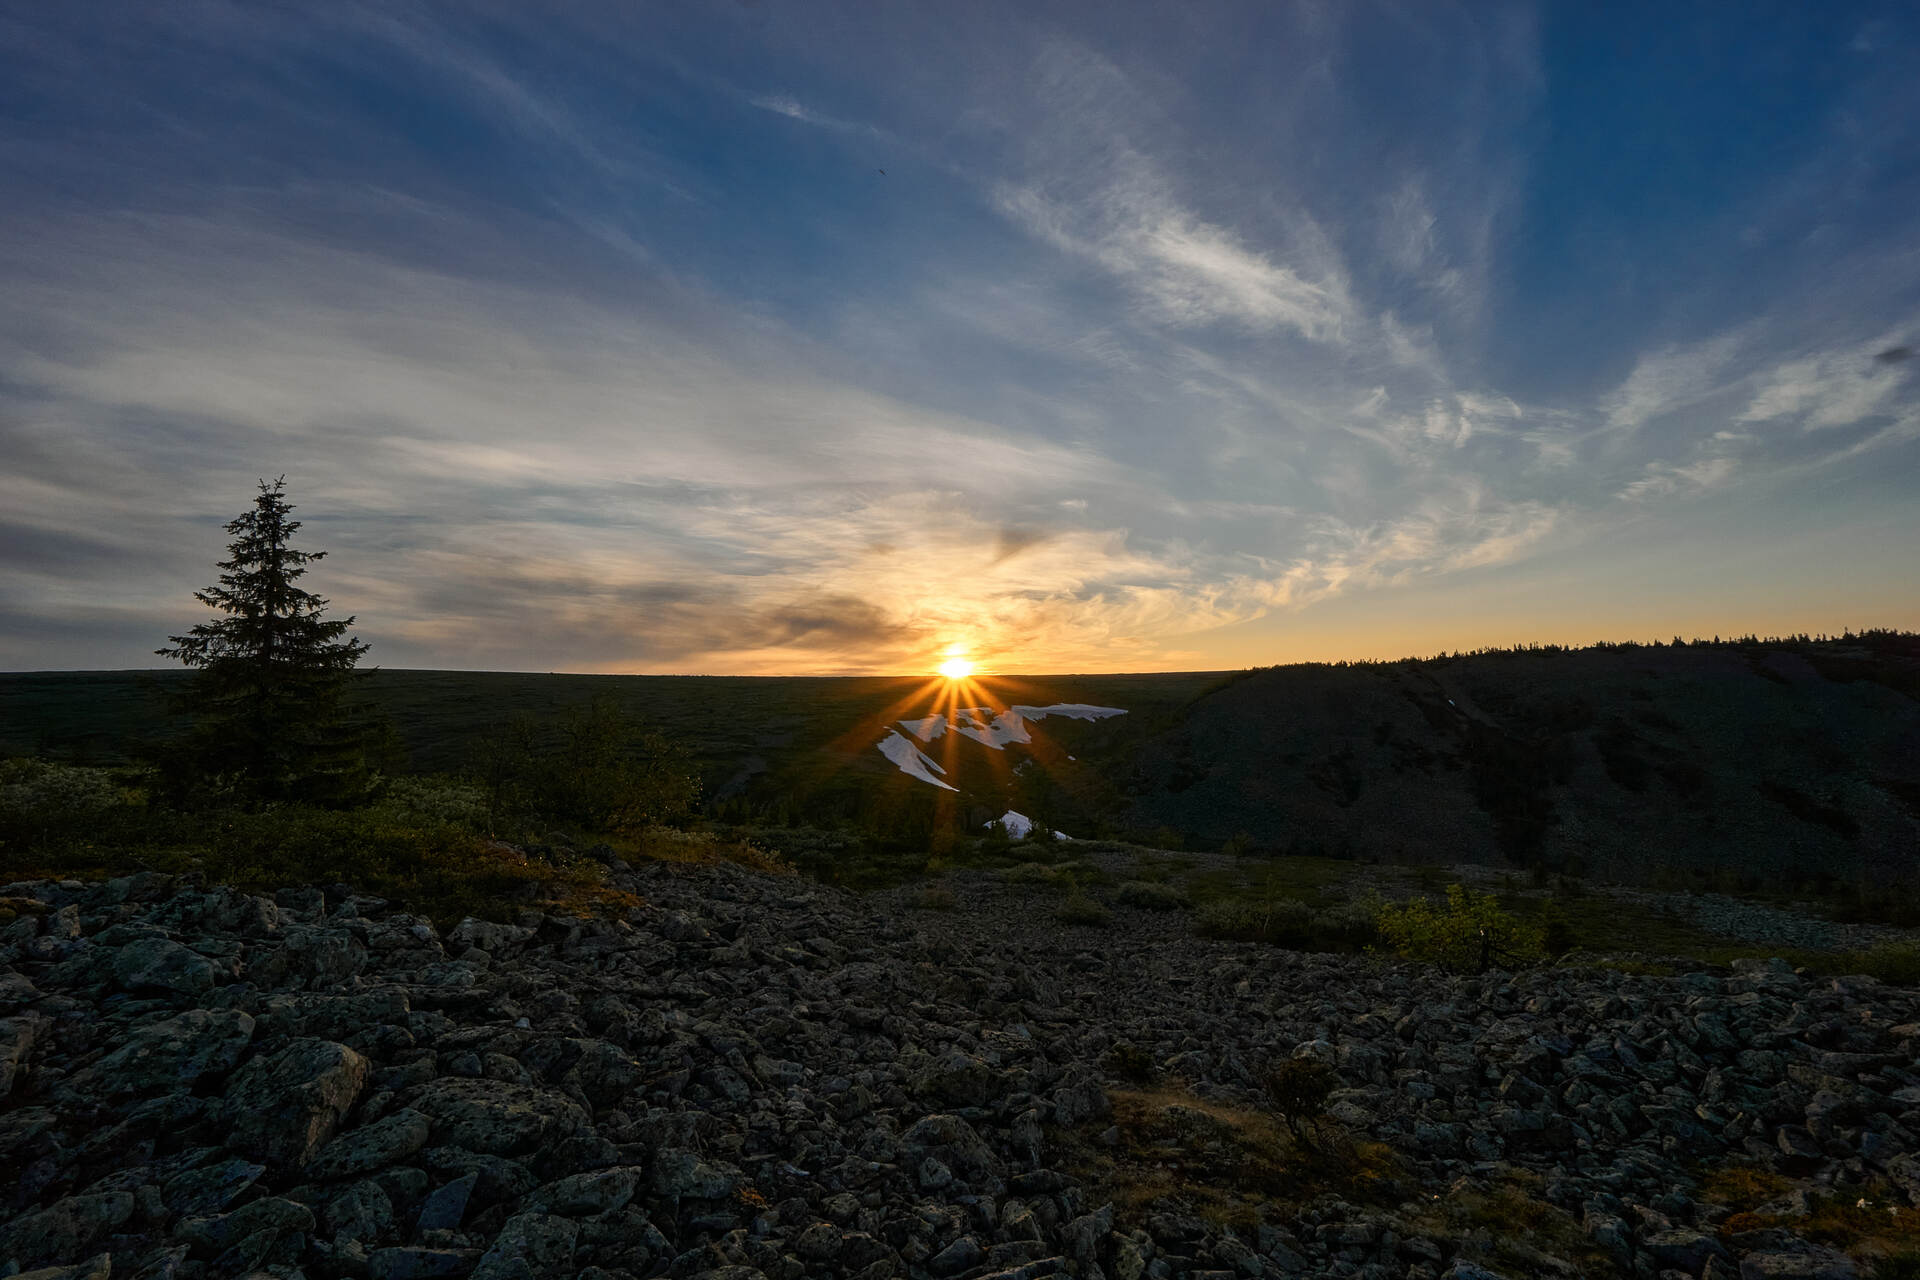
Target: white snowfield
(912, 760)
(984, 726)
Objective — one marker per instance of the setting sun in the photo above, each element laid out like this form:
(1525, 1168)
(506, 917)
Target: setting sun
(956, 668)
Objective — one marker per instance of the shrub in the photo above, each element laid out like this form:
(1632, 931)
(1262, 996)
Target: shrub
(1299, 1088)
(1291, 923)
(1035, 873)
(1468, 933)
(1281, 922)
(1153, 897)
(1128, 1061)
(1894, 962)
(1081, 909)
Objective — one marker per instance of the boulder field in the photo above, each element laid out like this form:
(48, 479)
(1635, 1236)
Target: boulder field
(755, 1076)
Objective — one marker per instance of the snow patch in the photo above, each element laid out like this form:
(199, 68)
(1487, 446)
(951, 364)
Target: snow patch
(984, 725)
(927, 728)
(912, 761)
(1019, 826)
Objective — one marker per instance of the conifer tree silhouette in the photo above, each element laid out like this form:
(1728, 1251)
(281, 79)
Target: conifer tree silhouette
(271, 672)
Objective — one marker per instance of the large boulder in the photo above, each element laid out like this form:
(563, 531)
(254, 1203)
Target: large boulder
(954, 1143)
(176, 1051)
(65, 1230)
(285, 1106)
(495, 1117)
(161, 964)
(532, 1246)
(386, 1141)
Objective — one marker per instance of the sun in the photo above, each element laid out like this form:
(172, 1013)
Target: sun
(956, 668)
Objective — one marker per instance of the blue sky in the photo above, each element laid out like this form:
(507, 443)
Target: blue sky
(594, 337)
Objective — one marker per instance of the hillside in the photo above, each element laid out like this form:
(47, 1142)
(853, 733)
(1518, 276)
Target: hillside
(1792, 763)
(1770, 761)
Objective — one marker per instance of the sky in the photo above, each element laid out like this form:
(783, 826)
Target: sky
(774, 337)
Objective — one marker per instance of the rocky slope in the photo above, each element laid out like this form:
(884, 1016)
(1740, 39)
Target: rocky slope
(754, 1076)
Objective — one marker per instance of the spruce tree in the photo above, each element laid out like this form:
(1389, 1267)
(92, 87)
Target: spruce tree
(270, 674)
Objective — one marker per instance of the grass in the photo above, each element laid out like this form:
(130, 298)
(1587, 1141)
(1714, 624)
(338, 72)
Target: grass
(1872, 1222)
(1511, 1228)
(1227, 1164)
(442, 871)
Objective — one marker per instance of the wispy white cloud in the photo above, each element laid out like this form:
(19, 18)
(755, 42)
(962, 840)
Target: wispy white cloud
(1832, 389)
(1670, 379)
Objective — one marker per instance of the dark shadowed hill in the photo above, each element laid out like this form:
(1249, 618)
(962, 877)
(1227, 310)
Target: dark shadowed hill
(1777, 762)
(1796, 760)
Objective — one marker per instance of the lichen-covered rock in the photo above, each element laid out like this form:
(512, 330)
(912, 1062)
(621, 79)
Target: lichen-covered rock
(175, 1052)
(161, 964)
(682, 1174)
(386, 1141)
(98, 1267)
(67, 1229)
(532, 1246)
(209, 1188)
(495, 1117)
(414, 1263)
(598, 1191)
(272, 1215)
(283, 1107)
(17, 1037)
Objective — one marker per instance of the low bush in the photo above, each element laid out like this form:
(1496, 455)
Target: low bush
(1128, 1061)
(1153, 897)
(1290, 923)
(1280, 922)
(1300, 1088)
(1037, 873)
(937, 897)
(1467, 933)
(1894, 962)
(1079, 908)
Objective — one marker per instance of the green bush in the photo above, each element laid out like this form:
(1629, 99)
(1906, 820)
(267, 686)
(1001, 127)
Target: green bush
(1153, 897)
(1079, 908)
(1037, 873)
(1300, 1088)
(1468, 933)
(1280, 922)
(1894, 962)
(1291, 923)
(1128, 1061)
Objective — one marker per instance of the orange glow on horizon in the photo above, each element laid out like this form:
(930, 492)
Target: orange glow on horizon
(956, 668)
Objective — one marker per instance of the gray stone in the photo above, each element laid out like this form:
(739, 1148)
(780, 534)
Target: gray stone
(386, 1141)
(98, 1267)
(1683, 1250)
(17, 1038)
(67, 1228)
(160, 964)
(362, 1212)
(498, 1118)
(959, 1079)
(1809, 1263)
(683, 1174)
(410, 1263)
(271, 1216)
(963, 1254)
(176, 1051)
(286, 1106)
(532, 1246)
(597, 1191)
(443, 1210)
(955, 1144)
(211, 1188)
